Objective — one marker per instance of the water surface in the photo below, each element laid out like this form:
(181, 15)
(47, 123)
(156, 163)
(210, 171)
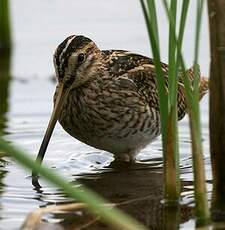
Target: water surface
(38, 27)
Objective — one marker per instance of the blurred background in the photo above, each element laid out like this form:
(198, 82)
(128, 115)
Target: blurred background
(38, 26)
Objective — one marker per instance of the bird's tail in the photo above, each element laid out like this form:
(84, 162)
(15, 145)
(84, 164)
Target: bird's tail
(203, 87)
(203, 84)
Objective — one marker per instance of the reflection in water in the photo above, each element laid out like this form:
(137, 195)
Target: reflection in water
(138, 191)
(5, 59)
(171, 217)
(3, 173)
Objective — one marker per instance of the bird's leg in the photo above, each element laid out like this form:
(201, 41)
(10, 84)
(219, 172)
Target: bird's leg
(125, 157)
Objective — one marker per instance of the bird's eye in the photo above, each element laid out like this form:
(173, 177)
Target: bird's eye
(80, 58)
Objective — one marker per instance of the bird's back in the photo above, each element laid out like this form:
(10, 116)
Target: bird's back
(137, 72)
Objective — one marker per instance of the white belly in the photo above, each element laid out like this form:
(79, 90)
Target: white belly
(124, 148)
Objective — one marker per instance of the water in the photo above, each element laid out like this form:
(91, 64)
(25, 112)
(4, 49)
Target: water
(38, 27)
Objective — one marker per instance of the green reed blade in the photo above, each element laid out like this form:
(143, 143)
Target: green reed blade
(202, 211)
(153, 19)
(160, 80)
(199, 7)
(186, 80)
(168, 114)
(179, 41)
(5, 30)
(163, 102)
(172, 57)
(183, 18)
(94, 202)
(171, 157)
(172, 154)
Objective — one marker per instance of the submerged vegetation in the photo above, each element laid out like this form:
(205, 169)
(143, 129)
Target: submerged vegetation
(168, 111)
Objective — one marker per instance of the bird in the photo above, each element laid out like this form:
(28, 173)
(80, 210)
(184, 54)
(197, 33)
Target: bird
(108, 99)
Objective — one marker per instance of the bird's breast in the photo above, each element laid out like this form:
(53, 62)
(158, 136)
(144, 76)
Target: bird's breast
(105, 119)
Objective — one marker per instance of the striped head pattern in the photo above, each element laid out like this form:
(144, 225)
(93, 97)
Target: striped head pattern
(76, 60)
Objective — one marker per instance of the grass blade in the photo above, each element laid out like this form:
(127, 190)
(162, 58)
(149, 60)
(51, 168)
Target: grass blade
(202, 211)
(168, 115)
(153, 19)
(172, 154)
(163, 102)
(5, 30)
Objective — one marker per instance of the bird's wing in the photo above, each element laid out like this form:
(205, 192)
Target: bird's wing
(136, 73)
(121, 61)
(141, 80)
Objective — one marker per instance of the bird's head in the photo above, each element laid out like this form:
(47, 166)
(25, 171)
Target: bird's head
(76, 61)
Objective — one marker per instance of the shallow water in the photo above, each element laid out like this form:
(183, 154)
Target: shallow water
(38, 26)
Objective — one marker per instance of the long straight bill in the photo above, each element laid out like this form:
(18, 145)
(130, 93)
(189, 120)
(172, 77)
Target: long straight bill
(62, 93)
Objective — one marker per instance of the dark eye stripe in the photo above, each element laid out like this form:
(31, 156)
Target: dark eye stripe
(63, 57)
(77, 43)
(60, 49)
(66, 48)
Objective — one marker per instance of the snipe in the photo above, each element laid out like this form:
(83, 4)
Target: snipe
(108, 98)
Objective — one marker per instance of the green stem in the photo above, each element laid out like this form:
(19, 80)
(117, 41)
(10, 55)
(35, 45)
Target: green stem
(153, 19)
(202, 211)
(5, 30)
(163, 95)
(201, 206)
(199, 7)
(172, 56)
(171, 155)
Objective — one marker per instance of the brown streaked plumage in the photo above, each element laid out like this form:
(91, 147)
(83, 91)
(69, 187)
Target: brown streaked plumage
(108, 98)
